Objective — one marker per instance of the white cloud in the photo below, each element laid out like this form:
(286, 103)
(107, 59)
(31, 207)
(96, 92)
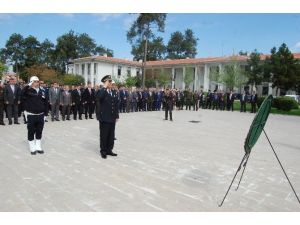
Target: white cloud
(297, 45)
(103, 17)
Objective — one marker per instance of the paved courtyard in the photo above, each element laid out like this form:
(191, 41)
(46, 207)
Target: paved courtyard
(161, 166)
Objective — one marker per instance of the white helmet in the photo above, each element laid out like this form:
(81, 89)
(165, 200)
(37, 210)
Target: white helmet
(32, 79)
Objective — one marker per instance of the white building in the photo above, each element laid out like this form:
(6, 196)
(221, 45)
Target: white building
(95, 67)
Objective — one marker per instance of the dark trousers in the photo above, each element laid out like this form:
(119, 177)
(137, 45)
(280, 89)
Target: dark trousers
(230, 106)
(35, 125)
(243, 107)
(89, 109)
(77, 109)
(107, 136)
(133, 106)
(253, 107)
(12, 111)
(66, 109)
(1, 112)
(168, 109)
(55, 110)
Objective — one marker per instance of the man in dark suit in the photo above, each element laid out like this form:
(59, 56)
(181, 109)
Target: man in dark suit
(243, 100)
(230, 100)
(1, 105)
(89, 101)
(12, 100)
(123, 99)
(253, 102)
(77, 102)
(54, 99)
(169, 101)
(108, 116)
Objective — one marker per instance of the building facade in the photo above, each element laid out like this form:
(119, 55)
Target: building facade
(201, 71)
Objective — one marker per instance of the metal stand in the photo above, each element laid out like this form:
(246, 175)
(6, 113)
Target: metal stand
(282, 167)
(239, 168)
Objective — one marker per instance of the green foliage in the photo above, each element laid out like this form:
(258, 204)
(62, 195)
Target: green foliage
(181, 46)
(215, 74)
(163, 78)
(254, 70)
(189, 76)
(285, 103)
(3, 68)
(150, 82)
(71, 79)
(233, 76)
(131, 81)
(142, 28)
(282, 69)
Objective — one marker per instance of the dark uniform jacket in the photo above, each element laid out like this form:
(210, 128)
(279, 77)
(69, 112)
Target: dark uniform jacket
(12, 97)
(1, 95)
(76, 97)
(169, 100)
(89, 97)
(34, 102)
(109, 110)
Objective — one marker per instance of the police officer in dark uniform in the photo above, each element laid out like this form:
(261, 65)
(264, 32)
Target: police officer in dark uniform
(35, 106)
(108, 116)
(1, 105)
(169, 100)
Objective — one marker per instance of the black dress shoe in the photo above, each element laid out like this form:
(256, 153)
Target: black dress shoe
(115, 139)
(40, 152)
(57, 120)
(112, 154)
(3, 124)
(16, 123)
(103, 155)
(33, 153)
(91, 118)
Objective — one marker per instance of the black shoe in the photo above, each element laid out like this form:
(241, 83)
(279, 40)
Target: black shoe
(40, 152)
(2, 123)
(16, 123)
(80, 118)
(112, 154)
(115, 139)
(52, 120)
(33, 153)
(103, 155)
(91, 118)
(57, 120)
(171, 120)
(46, 120)
(68, 119)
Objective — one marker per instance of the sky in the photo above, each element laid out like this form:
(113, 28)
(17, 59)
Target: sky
(218, 33)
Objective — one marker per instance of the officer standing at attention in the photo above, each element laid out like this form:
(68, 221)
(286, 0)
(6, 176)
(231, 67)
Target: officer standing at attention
(35, 106)
(108, 116)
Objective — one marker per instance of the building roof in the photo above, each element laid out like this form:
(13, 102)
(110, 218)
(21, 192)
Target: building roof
(173, 62)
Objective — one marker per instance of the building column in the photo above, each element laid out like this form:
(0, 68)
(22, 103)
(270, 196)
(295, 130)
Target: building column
(92, 74)
(195, 78)
(173, 77)
(183, 76)
(206, 78)
(85, 73)
(220, 72)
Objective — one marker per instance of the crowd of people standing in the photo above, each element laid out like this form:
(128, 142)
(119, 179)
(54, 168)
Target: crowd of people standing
(80, 101)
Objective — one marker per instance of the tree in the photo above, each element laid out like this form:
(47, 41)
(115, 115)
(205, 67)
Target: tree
(70, 79)
(47, 53)
(3, 68)
(233, 76)
(131, 81)
(42, 71)
(32, 51)
(189, 76)
(155, 51)
(164, 78)
(175, 46)
(15, 50)
(85, 45)
(181, 46)
(282, 69)
(255, 69)
(66, 50)
(142, 30)
(101, 50)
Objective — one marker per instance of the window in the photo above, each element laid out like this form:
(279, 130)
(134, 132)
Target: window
(119, 70)
(95, 68)
(128, 71)
(82, 69)
(89, 68)
(138, 71)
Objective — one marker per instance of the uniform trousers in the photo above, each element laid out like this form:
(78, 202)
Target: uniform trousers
(35, 125)
(107, 136)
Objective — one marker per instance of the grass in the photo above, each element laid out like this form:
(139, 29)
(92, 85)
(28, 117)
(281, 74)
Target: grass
(293, 112)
